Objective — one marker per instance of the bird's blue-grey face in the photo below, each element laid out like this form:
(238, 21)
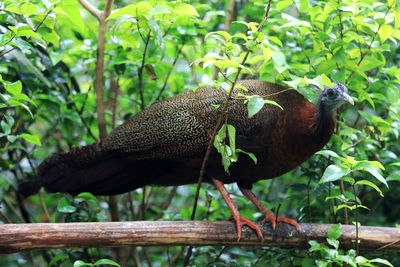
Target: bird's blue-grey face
(334, 97)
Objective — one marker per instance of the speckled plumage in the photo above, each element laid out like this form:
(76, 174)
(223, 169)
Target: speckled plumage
(165, 143)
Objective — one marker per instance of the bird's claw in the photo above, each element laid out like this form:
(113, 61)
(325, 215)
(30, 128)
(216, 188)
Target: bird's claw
(240, 221)
(273, 220)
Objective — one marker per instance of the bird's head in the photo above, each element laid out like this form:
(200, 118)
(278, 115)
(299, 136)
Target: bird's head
(333, 97)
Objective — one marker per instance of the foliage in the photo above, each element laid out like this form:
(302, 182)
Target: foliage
(157, 49)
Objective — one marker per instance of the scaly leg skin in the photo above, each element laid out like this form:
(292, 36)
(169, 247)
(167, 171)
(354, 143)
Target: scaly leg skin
(269, 215)
(239, 219)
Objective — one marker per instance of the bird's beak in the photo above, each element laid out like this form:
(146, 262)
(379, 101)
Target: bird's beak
(348, 99)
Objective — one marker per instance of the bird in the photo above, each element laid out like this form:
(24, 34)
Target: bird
(164, 145)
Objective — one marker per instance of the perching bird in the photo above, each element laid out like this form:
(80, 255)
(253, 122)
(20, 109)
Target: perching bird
(165, 145)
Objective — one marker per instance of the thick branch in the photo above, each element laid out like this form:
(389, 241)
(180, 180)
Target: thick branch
(23, 237)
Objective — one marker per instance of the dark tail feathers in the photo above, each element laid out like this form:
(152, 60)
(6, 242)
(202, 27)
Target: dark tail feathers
(29, 187)
(93, 169)
(57, 172)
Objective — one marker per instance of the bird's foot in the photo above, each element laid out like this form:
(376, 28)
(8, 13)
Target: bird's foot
(271, 217)
(240, 221)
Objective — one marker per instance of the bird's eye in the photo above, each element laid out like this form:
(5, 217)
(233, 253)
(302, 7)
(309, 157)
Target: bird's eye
(330, 92)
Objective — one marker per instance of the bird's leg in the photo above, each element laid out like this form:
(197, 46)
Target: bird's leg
(239, 219)
(269, 215)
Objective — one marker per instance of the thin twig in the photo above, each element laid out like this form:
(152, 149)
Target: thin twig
(330, 203)
(140, 71)
(354, 144)
(308, 200)
(357, 226)
(44, 207)
(131, 208)
(8, 51)
(167, 202)
(345, 215)
(170, 71)
(44, 18)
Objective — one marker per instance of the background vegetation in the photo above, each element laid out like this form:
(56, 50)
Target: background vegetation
(156, 49)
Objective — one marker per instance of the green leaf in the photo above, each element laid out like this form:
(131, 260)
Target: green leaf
(14, 88)
(279, 62)
(347, 259)
(13, 102)
(255, 105)
(384, 32)
(333, 242)
(326, 66)
(106, 261)
(159, 10)
(369, 167)
(224, 34)
(185, 9)
(329, 153)
(317, 81)
(251, 155)
(87, 195)
(339, 56)
(31, 138)
(58, 257)
(6, 128)
(142, 8)
(12, 138)
(79, 263)
(397, 18)
(283, 3)
(126, 10)
(296, 23)
(65, 207)
(371, 184)
(14, 9)
(370, 62)
(335, 231)
(227, 63)
(326, 81)
(304, 7)
(382, 261)
(28, 8)
(232, 137)
(155, 28)
(251, 44)
(275, 40)
(271, 102)
(240, 35)
(333, 173)
(74, 16)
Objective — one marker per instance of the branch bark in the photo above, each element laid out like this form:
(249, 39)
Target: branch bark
(25, 237)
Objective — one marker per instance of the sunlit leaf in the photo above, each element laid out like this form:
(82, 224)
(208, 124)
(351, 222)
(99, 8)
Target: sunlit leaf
(335, 231)
(333, 173)
(255, 105)
(31, 138)
(106, 261)
(385, 31)
(371, 184)
(369, 167)
(64, 206)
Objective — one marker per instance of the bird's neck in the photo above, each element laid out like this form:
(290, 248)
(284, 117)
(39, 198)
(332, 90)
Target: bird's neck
(325, 122)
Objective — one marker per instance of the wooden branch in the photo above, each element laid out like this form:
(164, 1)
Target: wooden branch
(24, 237)
(94, 11)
